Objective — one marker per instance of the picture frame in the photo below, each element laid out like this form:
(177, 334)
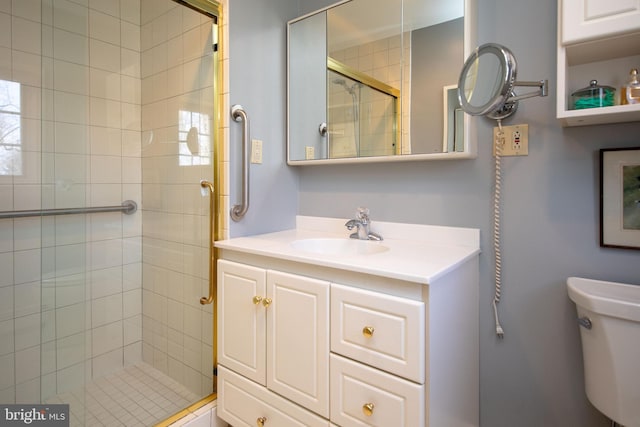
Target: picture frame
(620, 198)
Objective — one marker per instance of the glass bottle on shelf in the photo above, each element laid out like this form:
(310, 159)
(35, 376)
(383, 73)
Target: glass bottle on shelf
(633, 88)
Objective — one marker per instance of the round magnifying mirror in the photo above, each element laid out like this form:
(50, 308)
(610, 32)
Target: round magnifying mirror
(486, 82)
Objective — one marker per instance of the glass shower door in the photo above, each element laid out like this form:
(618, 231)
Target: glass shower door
(102, 102)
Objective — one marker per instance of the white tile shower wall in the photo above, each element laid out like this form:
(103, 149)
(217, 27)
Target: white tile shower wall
(77, 66)
(177, 135)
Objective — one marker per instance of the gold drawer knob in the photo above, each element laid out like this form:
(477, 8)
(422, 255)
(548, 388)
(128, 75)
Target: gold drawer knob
(267, 302)
(367, 331)
(367, 409)
(257, 299)
(260, 421)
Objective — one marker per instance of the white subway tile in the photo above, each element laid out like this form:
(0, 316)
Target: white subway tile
(133, 329)
(70, 47)
(111, 7)
(26, 197)
(70, 290)
(70, 108)
(70, 77)
(132, 276)
(105, 112)
(130, 11)
(26, 233)
(106, 282)
(70, 350)
(104, 27)
(27, 332)
(133, 353)
(105, 56)
(6, 337)
(27, 299)
(7, 371)
(70, 16)
(70, 230)
(130, 90)
(48, 357)
(70, 320)
(26, 266)
(25, 35)
(107, 338)
(131, 117)
(105, 141)
(5, 30)
(71, 378)
(106, 310)
(71, 138)
(130, 36)
(108, 363)
(26, 68)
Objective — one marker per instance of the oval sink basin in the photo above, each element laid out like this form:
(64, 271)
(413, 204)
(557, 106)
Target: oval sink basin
(339, 246)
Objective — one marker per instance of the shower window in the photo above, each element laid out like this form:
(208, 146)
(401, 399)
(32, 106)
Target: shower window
(10, 136)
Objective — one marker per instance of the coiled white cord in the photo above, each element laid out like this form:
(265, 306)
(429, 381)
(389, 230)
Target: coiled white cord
(496, 226)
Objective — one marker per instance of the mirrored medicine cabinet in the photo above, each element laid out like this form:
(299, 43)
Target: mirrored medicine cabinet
(375, 81)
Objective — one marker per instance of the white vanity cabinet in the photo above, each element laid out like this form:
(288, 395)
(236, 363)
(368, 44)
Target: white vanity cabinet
(384, 337)
(597, 40)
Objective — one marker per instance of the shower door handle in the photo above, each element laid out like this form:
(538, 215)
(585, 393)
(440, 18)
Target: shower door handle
(238, 114)
(209, 186)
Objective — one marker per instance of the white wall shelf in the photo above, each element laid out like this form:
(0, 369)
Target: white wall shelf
(601, 54)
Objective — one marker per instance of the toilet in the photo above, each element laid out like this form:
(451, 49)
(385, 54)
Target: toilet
(609, 319)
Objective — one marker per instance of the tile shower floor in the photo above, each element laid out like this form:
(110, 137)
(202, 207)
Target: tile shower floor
(137, 396)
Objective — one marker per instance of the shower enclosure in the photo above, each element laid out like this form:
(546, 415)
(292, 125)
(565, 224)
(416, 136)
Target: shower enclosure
(362, 120)
(101, 102)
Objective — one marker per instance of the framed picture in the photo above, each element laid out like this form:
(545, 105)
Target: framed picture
(620, 198)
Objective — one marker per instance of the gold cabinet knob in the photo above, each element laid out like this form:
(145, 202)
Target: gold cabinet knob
(367, 331)
(260, 421)
(367, 409)
(267, 302)
(257, 299)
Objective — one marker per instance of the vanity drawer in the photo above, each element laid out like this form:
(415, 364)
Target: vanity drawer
(364, 396)
(241, 402)
(380, 330)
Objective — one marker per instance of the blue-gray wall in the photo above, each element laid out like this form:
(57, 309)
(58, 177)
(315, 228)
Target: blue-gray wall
(533, 377)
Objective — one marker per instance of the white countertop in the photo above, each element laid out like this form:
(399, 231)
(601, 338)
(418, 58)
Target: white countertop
(416, 253)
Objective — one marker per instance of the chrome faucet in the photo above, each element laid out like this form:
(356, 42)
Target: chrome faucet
(363, 226)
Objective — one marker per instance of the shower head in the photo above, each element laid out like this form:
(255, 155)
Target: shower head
(341, 82)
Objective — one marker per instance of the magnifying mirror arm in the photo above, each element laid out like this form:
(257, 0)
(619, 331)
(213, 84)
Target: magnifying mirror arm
(542, 85)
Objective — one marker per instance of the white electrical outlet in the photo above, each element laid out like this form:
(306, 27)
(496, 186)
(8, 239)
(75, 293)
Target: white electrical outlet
(309, 153)
(256, 151)
(514, 141)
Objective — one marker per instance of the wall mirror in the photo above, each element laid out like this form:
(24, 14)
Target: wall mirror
(376, 81)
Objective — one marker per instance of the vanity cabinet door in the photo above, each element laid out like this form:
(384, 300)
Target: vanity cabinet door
(298, 339)
(241, 319)
(584, 20)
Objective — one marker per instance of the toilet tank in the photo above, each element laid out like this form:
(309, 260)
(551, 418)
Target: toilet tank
(611, 346)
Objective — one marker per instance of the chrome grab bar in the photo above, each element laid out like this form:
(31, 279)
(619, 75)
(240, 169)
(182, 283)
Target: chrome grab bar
(127, 207)
(209, 299)
(238, 114)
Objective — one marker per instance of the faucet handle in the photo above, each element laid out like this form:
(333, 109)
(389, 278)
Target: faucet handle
(363, 214)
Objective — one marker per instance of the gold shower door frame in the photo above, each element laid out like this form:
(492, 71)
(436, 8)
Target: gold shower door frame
(214, 10)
